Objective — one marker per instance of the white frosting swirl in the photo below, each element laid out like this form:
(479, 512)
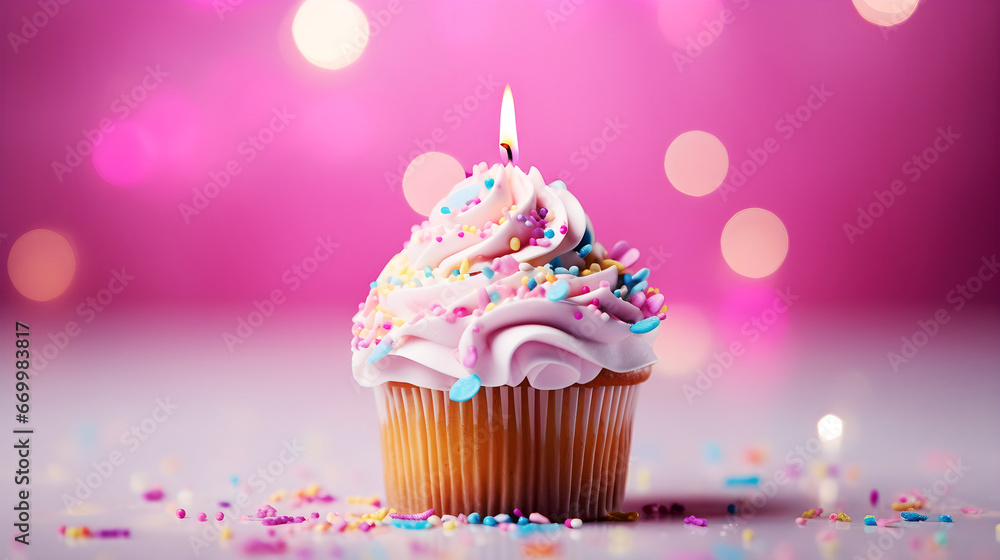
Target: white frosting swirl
(475, 290)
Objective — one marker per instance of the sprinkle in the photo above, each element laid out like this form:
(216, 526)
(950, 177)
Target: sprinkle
(650, 323)
(585, 250)
(873, 497)
(439, 239)
(971, 510)
(563, 229)
(810, 513)
(154, 495)
(731, 509)
(490, 521)
(465, 388)
(747, 535)
(870, 521)
(413, 516)
(374, 284)
(904, 506)
(226, 533)
(532, 284)
(489, 183)
(578, 315)
(202, 517)
(550, 233)
(445, 210)
(220, 516)
(641, 275)
(488, 272)
(455, 272)
(515, 244)
(181, 513)
(639, 287)
(843, 517)
(448, 525)
(800, 521)
(538, 518)
(575, 523)
(945, 519)
(381, 350)
(495, 297)
(518, 512)
(559, 291)
(912, 516)
(464, 267)
(522, 521)
(699, 521)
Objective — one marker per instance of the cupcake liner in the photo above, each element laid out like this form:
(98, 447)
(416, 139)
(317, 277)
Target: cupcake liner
(563, 453)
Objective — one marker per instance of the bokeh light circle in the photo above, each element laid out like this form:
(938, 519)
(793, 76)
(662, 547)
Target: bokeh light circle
(126, 155)
(696, 163)
(428, 178)
(754, 242)
(830, 427)
(330, 33)
(886, 12)
(685, 340)
(41, 264)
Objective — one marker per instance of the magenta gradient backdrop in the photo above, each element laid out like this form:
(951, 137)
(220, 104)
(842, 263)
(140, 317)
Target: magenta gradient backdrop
(325, 175)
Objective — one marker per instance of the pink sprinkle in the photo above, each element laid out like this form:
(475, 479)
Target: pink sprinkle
(902, 499)
(605, 284)
(438, 239)
(202, 517)
(873, 497)
(532, 241)
(518, 513)
(578, 315)
(971, 510)
(800, 521)
(699, 521)
(463, 519)
(819, 511)
(387, 326)
(538, 518)
(585, 289)
(364, 527)
(471, 355)
(833, 517)
(413, 516)
(562, 229)
(220, 516)
(181, 513)
(569, 523)
(461, 234)
(154, 495)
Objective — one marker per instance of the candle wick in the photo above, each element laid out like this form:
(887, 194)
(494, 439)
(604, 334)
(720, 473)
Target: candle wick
(510, 154)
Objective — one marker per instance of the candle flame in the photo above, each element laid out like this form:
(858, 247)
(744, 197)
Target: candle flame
(508, 129)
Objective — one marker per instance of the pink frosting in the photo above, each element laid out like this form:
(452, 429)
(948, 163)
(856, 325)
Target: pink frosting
(436, 314)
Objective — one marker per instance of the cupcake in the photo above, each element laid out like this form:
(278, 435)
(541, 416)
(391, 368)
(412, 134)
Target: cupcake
(506, 347)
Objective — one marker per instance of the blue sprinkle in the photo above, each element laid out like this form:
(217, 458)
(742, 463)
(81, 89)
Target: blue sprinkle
(627, 280)
(235, 479)
(550, 233)
(488, 271)
(945, 518)
(502, 518)
(465, 388)
(870, 521)
(557, 184)
(558, 291)
(380, 351)
(416, 281)
(585, 250)
(912, 516)
(523, 521)
(445, 210)
(561, 270)
(455, 272)
(618, 293)
(475, 518)
(489, 183)
(574, 270)
(731, 509)
(495, 297)
(489, 521)
(739, 480)
(428, 272)
(532, 284)
(640, 287)
(646, 325)
(641, 275)
(556, 262)
(411, 524)
(374, 284)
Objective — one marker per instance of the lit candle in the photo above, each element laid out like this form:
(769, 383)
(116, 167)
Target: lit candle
(508, 129)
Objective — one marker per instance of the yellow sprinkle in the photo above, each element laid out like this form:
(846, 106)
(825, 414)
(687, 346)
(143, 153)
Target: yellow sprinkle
(524, 280)
(586, 273)
(595, 267)
(747, 535)
(502, 220)
(330, 517)
(515, 243)
(514, 207)
(464, 267)
(843, 517)
(550, 278)
(321, 527)
(278, 496)
(226, 533)
(489, 307)
(449, 525)
(472, 229)
(608, 263)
